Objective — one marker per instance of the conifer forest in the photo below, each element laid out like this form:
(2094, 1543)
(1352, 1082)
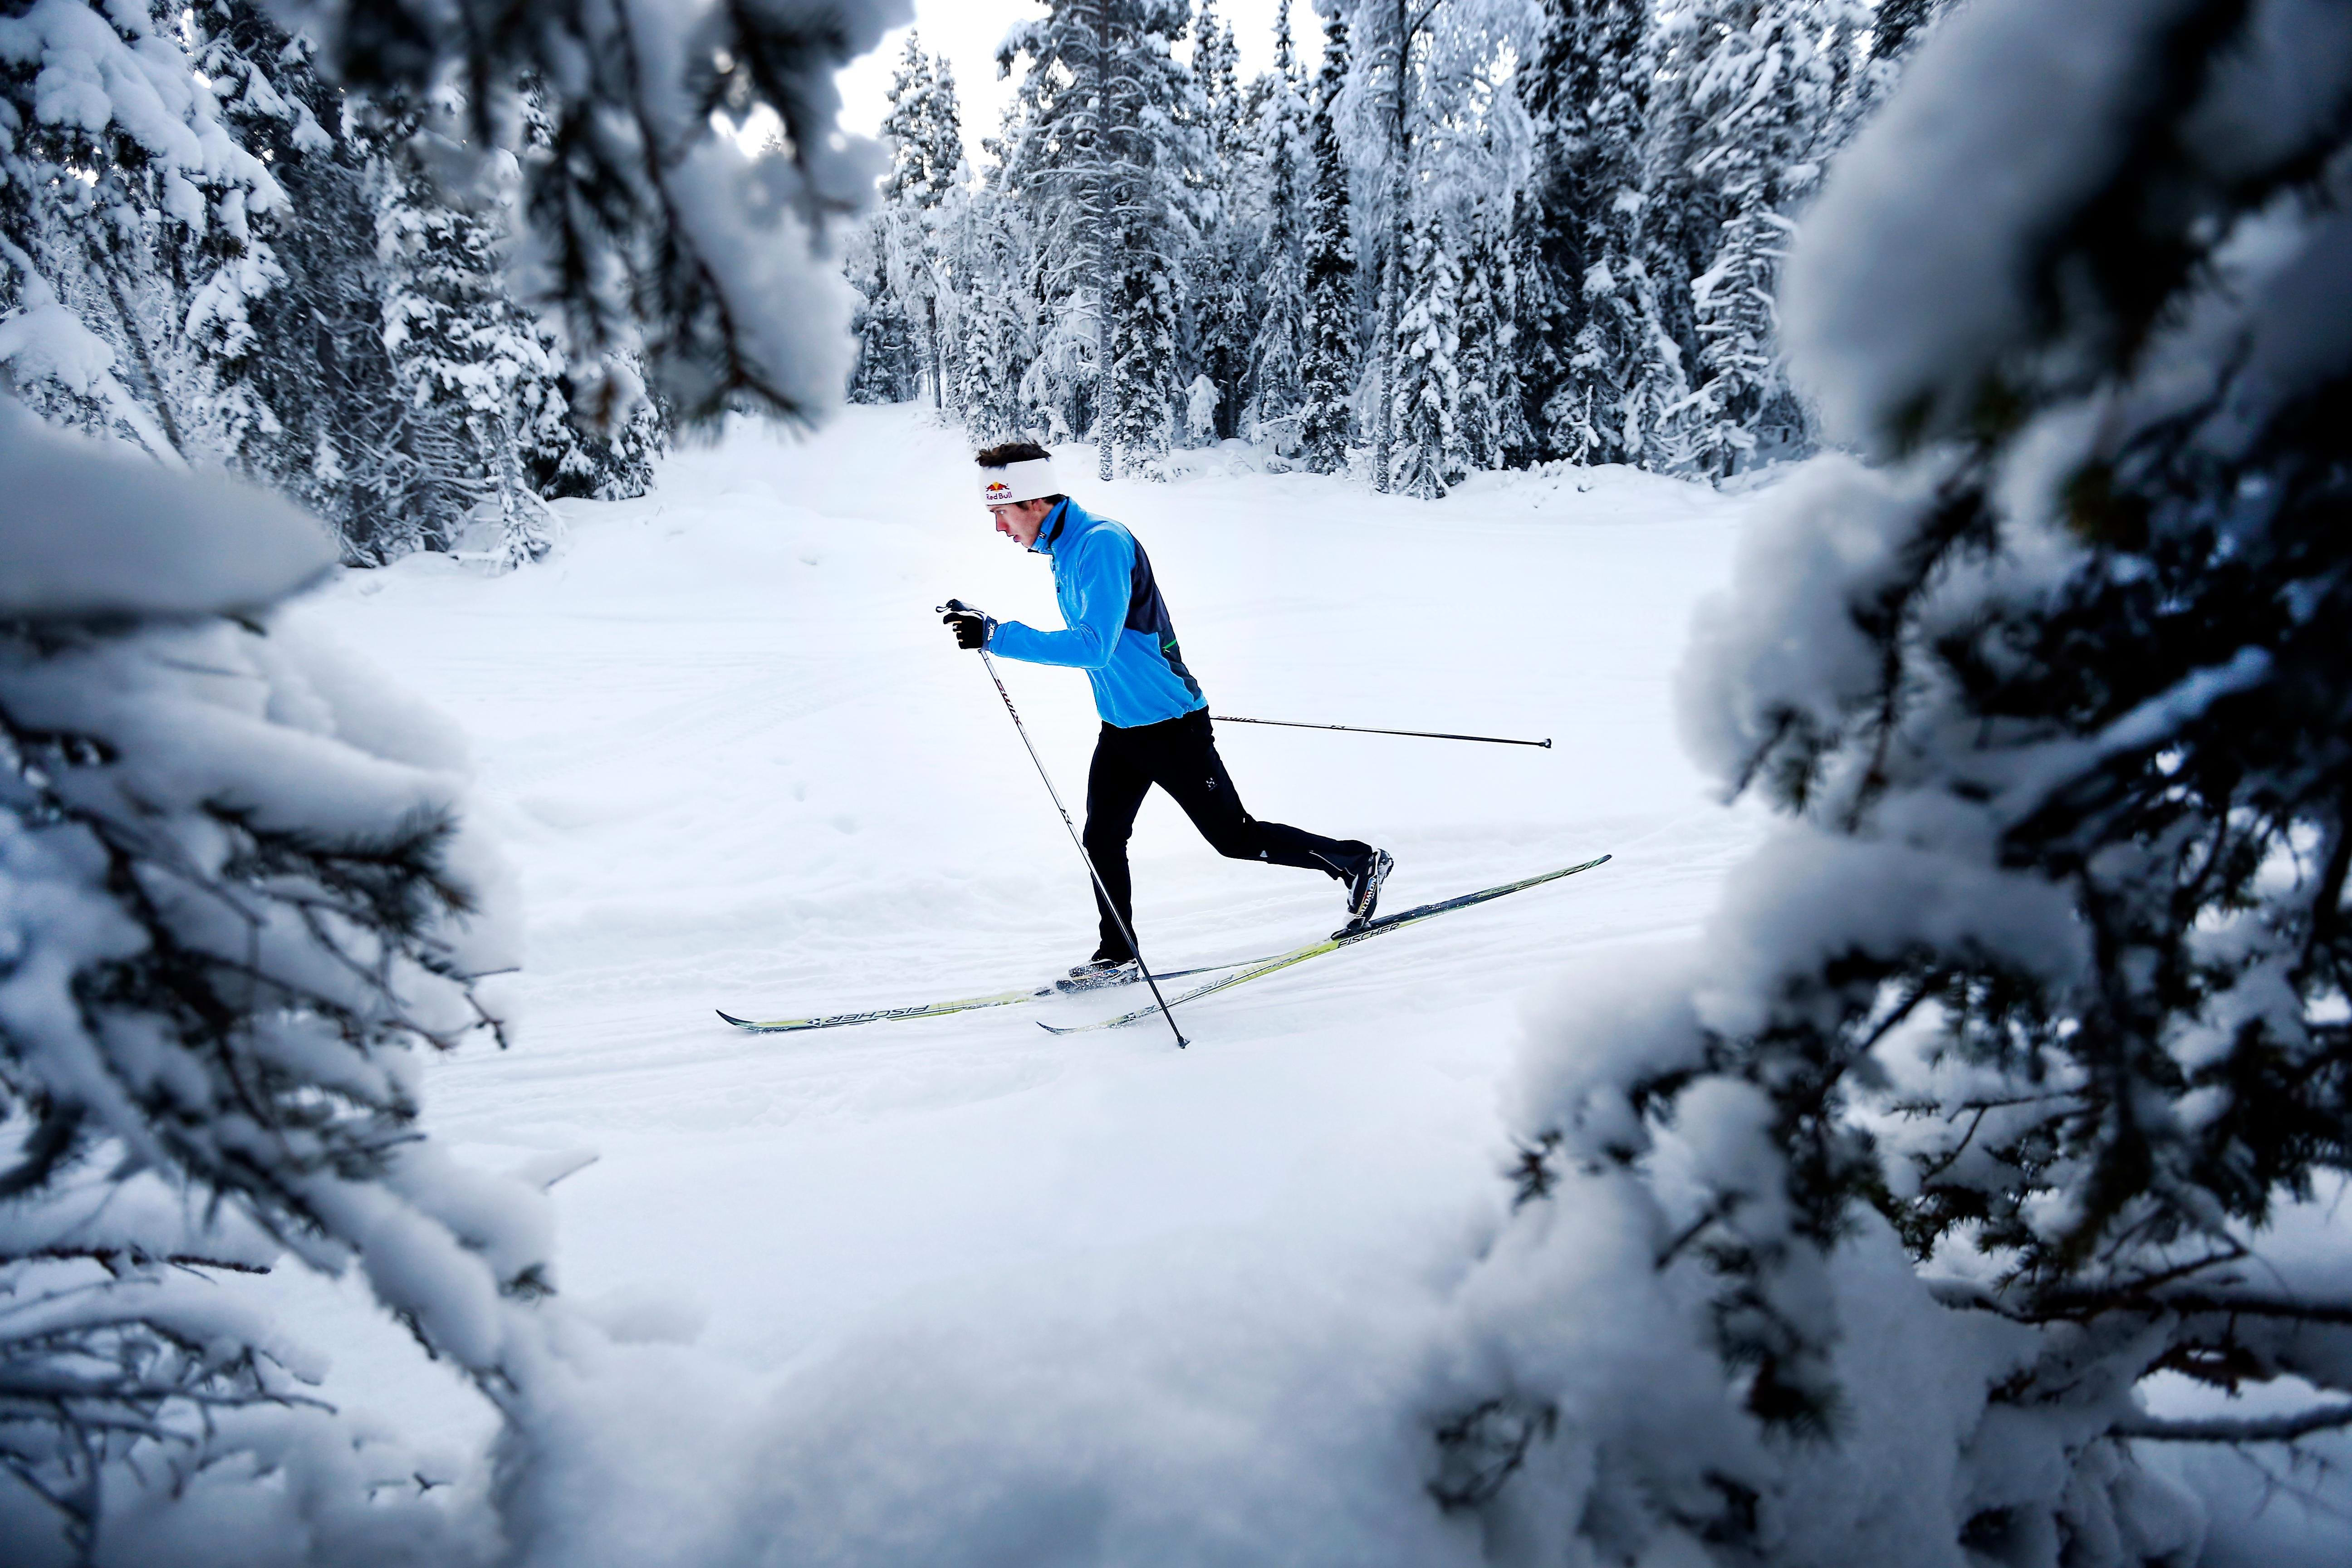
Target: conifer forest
(1478, 237)
(1800, 551)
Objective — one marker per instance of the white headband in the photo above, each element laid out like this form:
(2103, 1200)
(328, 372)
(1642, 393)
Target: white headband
(1025, 480)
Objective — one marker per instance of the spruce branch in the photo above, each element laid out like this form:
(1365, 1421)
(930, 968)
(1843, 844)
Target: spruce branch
(2240, 1429)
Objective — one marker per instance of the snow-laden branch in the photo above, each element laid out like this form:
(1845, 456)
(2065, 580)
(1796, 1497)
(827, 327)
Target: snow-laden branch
(2245, 1429)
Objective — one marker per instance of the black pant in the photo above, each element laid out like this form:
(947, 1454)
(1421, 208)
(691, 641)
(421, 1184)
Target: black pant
(1180, 755)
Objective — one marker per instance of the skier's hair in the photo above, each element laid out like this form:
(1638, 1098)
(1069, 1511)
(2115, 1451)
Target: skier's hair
(1005, 454)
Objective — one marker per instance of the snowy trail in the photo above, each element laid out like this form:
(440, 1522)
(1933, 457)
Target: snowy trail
(1087, 1300)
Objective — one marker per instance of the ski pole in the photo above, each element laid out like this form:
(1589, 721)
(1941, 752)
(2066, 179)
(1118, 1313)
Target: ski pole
(1108, 902)
(1359, 730)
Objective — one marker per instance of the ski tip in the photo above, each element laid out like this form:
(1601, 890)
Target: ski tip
(1052, 1029)
(733, 1018)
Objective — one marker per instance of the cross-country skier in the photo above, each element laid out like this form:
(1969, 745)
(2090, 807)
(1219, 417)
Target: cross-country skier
(1155, 721)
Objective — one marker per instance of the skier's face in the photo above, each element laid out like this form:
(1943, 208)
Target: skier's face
(1020, 521)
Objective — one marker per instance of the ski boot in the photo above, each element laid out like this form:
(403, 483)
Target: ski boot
(1364, 887)
(1098, 972)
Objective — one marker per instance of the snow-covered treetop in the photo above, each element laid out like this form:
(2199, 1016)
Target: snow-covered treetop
(923, 130)
(1467, 131)
(91, 532)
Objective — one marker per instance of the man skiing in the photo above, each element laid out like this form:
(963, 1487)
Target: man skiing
(1155, 726)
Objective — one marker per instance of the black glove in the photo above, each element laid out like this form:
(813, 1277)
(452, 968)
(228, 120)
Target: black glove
(972, 629)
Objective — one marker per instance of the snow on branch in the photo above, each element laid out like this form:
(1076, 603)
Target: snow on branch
(2020, 1047)
(2248, 1429)
(651, 225)
(238, 899)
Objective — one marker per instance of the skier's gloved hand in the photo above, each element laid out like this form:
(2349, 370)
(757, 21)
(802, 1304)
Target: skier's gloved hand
(972, 629)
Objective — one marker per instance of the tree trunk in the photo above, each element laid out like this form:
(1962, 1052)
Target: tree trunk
(939, 372)
(1105, 253)
(1392, 262)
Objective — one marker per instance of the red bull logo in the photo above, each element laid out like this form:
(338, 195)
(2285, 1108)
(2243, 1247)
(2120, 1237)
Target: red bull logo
(1017, 482)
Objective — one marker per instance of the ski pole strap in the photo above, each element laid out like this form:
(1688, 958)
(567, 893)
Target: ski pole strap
(1359, 730)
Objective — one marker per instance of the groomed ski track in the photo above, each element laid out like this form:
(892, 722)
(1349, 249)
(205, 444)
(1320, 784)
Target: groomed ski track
(955, 1269)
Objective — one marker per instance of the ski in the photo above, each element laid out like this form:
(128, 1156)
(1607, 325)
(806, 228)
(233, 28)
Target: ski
(941, 1009)
(1345, 937)
(879, 1014)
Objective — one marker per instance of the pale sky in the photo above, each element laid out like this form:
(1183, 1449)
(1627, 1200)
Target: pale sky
(968, 31)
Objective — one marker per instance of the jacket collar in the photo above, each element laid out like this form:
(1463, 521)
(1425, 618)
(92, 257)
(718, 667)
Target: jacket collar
(1066, 518)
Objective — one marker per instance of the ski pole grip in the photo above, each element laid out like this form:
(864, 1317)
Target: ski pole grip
(955, 606)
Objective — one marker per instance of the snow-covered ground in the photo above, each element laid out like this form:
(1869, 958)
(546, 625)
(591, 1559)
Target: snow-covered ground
(956, 1289)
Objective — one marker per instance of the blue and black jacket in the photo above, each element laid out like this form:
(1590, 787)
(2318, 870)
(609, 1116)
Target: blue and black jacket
(1119, 633)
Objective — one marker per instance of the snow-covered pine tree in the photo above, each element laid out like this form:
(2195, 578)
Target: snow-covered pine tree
(269, 99)
(1327, 369)
(1543, 236)
(1534, 310)
(593, 436)
(889, 367)
(131, 206)
(1483, 358)
(1057, 161)
(1898, 26)
(1110, 123)
(1147, 397)
(901, 226)
(1161, 118)
(1388, 61)
(1750, 98)
(1766, 91)
(1201, 400)
(1431, 454)
(1431, 123)
(1058, 381)
(576, 453)
(276, 349)
(1515, 434)
(317, 363)
(1059, 384)
(238, 905)
(997, 324)
(1681, 218)
(236, 900)
(478, 381)
(1585, 336)
(1216, 73)
(923, 129)
(1221, 272)
(2041, 981)
(1283, 128)
(1650, 421)
(1226, 315)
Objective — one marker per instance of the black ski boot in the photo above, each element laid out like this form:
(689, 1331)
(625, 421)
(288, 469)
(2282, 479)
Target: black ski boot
(1364, 881)
(1098, 972)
